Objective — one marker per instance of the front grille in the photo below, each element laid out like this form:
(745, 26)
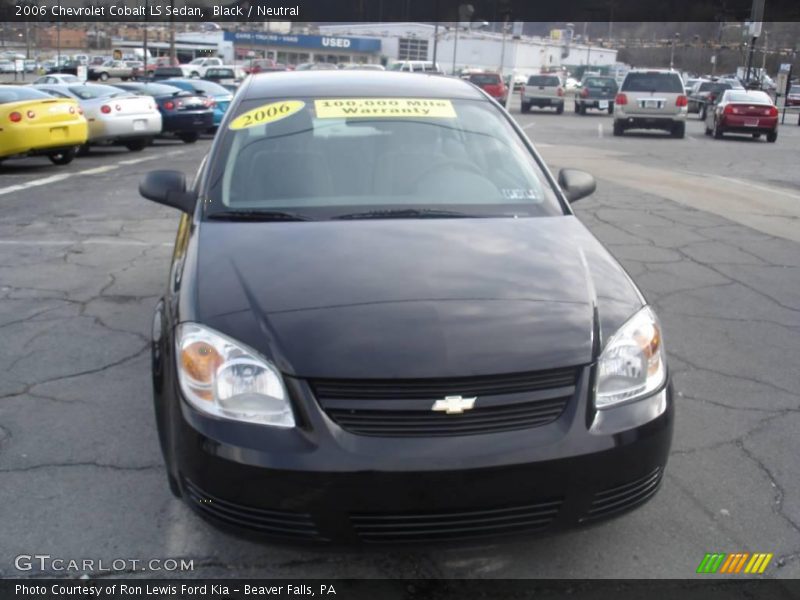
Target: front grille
(275, 523)
(403, 407)
(431, 389)
(451, 526)
(624, 497)
(411, 423)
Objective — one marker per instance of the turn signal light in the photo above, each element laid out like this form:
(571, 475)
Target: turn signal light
(105, 109)
(730, 110)
(31, 114)
(681, 101)
(15, 117)
(772, 111)
(169, 105)
(621, 99)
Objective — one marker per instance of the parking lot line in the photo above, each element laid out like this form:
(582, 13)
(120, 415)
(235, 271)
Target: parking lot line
(98, 170)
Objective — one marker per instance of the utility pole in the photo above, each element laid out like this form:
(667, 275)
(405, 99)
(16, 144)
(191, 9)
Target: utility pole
(146, 8)
(435, 42)
(455, 49)
(173, 58)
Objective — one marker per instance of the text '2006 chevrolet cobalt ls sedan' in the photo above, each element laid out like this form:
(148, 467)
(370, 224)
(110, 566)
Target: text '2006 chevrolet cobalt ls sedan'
(384, 324)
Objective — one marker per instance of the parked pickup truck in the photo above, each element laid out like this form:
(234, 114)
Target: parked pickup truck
(543, 91)
(596, 92)
(199, 66)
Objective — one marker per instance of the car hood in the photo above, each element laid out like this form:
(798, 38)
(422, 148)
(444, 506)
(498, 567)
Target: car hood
(409, 298)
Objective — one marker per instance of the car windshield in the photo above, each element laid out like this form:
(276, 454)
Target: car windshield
(88, 92)
(706, 86)
(20, 94)
(795, 89)
(485, 79)
(332, 157)
(748, 97)
(544, 80)
(599, 82)
(653, 82)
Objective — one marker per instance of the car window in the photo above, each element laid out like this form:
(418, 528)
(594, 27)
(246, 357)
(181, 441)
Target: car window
(754, 97)
(544, 80)
(375, 153)
(705, 86)
(653, 82)
(485, 79)
(56, 93)
(599, 82)
(87, 92)
(795, 89)
(20, 94)
(159, 89)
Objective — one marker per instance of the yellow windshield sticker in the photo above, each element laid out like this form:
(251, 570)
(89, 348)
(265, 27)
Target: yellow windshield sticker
(269, 113)
(346, 108)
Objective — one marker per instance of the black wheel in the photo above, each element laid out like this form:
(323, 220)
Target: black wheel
(702, 111)
(103, 76)
(525, 107)
(63, 157)
(137, 145)
(717, 131)
(756, 136)
(560, 109)
(84, 150)
(582, 109)
(678, 130)
(124, 78)
(195, 75)
(619, 129)
(611, 108)
(707, 130)
(189, 138)
(772, 136)
(577, 107)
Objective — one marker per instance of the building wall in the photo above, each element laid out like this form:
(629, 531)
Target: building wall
(48, 37)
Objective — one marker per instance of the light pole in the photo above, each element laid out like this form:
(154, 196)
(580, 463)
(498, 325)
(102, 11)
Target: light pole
(672, 50)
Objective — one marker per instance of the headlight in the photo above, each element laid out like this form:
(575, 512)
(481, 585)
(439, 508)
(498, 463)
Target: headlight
(222, 378)
(632, 364)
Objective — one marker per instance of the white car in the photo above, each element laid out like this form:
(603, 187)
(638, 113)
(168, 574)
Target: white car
(114, 115)
(58, 79)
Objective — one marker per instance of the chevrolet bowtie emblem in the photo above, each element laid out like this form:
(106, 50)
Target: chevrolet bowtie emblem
(454, 405)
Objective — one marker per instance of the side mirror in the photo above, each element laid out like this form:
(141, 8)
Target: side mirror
(576, 184)
(168, 188)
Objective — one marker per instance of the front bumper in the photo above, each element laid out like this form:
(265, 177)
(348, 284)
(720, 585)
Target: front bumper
(320, 483)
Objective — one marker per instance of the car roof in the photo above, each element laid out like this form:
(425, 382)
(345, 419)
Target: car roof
(354, 83)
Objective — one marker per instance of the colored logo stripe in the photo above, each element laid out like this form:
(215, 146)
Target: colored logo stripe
(720, 562)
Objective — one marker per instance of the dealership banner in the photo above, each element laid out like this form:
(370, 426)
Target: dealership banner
(391, 589)
(250, 11)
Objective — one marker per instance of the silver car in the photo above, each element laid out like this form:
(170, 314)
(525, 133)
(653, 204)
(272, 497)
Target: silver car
(651, 99)
(114, 116)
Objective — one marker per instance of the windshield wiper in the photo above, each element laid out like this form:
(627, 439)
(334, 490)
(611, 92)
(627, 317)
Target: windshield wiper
(257, 215)
(406, 213)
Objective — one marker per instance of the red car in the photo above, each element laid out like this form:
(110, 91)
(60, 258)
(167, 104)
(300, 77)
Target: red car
(492, 84)
(747, 112)
(793, 97)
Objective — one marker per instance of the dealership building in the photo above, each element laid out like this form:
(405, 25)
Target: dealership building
(387, 43)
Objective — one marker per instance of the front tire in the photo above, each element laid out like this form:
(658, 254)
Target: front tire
(189, 138)
(103, 77)
(63, 157)
(619, 129)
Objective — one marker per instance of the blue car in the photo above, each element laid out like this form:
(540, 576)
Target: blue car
(221, 96)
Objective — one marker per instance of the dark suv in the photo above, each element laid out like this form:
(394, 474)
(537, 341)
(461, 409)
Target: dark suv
(596, 92)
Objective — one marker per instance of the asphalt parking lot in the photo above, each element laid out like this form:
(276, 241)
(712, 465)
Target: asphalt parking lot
(710, 230)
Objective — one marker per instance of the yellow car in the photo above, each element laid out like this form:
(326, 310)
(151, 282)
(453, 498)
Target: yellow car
(35, 123)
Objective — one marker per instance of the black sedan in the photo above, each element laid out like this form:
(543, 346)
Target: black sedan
(184, 114)
(384, 324)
